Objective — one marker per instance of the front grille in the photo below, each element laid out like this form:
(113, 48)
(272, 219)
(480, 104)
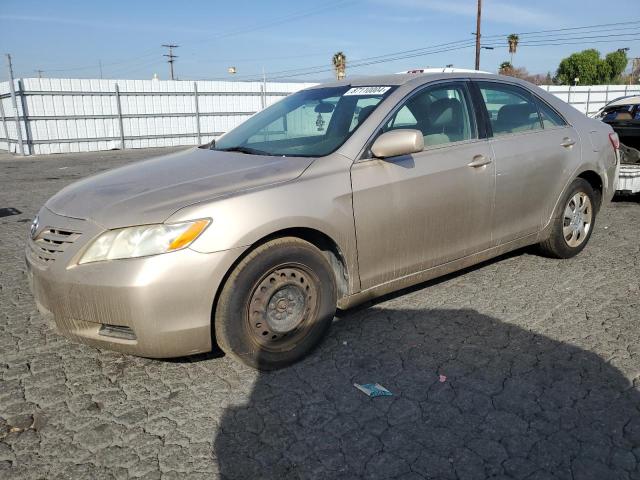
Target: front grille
(51, 242)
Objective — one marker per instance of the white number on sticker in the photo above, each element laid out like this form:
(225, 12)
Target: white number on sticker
(367, 91)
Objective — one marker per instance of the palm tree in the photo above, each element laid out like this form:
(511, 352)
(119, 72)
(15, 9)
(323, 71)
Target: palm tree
(340, 65)
(513, 40)
(505, 68)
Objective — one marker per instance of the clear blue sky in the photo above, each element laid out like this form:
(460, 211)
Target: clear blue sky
(68, 38)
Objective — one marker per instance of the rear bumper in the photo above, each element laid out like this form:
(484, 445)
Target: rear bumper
(629, 178)
(160, 306)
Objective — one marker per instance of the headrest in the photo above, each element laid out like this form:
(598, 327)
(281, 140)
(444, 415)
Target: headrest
(516, 114)
(444, 111)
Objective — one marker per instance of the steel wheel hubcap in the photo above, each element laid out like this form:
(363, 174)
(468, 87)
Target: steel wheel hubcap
(578, 215)
(283, 302)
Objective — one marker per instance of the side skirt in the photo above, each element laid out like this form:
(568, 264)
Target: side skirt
(434, 272)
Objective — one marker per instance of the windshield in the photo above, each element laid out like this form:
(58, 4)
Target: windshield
(310, 123)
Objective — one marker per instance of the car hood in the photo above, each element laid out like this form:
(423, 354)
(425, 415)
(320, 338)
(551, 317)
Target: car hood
(151, 191)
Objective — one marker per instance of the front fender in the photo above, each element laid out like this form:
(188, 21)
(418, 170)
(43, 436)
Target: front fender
(319, 200)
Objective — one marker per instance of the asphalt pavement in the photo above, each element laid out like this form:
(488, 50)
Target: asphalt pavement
(523, 368)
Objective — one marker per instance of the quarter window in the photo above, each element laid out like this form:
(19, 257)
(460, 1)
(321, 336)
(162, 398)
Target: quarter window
(511, 109)
(440, 112)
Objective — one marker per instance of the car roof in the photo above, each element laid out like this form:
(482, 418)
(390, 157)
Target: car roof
(397, 79)
(628, 100)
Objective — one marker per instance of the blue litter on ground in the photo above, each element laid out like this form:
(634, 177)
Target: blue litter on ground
(373, 389)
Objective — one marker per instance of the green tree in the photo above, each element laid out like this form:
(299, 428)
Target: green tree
(590, 69)
(618, 62)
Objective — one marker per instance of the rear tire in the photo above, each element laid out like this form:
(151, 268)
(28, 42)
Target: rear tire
(573, 221)
(276, 305)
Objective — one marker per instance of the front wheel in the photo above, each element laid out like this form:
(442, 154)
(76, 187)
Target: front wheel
(276, 305)
(573, 221)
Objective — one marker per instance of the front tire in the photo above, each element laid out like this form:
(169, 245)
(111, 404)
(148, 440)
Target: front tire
(276, 305)
(573, 221)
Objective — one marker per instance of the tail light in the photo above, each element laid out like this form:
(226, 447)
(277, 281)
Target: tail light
(615, 141)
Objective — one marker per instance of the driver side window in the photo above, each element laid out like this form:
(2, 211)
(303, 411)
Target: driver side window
(441, 112)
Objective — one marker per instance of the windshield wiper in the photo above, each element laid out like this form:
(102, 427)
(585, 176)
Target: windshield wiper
(247, 150)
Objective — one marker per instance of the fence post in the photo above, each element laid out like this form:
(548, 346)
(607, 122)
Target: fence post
(16, 116)
(588, 98)
(569, 96)
(25, 118)
(195, 96)
(4, 125)
(119, 107)
(606, 98)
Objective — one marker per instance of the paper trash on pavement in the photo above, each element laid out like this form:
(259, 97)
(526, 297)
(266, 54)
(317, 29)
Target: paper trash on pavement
(373, 389)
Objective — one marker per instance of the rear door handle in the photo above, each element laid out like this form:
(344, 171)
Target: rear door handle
(568, 142)
(479, 161)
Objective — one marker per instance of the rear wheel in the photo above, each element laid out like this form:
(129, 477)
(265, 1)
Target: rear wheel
(276, 305)
(573, 221)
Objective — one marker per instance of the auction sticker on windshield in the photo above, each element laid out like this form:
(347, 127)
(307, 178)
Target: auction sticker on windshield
(366, 91)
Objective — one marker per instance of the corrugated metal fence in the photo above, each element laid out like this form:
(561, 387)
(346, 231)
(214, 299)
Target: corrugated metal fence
(78, 115)
(590, 99)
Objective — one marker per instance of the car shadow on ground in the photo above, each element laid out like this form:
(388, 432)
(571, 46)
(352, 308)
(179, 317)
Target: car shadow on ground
(627, 198)
(510, 404)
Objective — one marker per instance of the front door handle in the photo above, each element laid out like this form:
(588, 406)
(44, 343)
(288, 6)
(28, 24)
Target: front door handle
(567, 142)
(479, 161)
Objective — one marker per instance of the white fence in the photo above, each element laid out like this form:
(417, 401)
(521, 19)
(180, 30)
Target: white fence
(590, 99)
(76, 115)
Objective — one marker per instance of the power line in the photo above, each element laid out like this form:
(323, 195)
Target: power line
(491, 39)
(550, 37)
(459, 44)
(560, 44)
(287, 18)
(126, 70)
(89, 67)
(170, 57)
(601, 25)
(589, 37)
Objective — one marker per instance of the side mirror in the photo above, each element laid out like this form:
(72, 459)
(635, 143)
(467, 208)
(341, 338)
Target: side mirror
(398, 142)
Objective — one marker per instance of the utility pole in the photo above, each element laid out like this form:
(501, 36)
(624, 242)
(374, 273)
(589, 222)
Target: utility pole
(478, 21)
(170, 57)
(16, 117)
(39, 72)
(100, 67)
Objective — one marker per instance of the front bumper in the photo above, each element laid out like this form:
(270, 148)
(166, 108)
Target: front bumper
(162, 303)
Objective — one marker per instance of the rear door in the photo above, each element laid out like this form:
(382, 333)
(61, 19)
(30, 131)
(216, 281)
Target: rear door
(533, 148)
(413, 212)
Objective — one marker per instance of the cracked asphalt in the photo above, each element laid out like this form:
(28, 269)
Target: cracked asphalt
(541, 359)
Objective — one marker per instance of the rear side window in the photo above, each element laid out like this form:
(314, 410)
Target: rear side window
(511, 109)
(550, 118)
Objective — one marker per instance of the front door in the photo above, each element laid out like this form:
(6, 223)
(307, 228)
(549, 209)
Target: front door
(414, 212)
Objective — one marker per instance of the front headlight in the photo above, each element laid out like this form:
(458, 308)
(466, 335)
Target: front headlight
(144, 240)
